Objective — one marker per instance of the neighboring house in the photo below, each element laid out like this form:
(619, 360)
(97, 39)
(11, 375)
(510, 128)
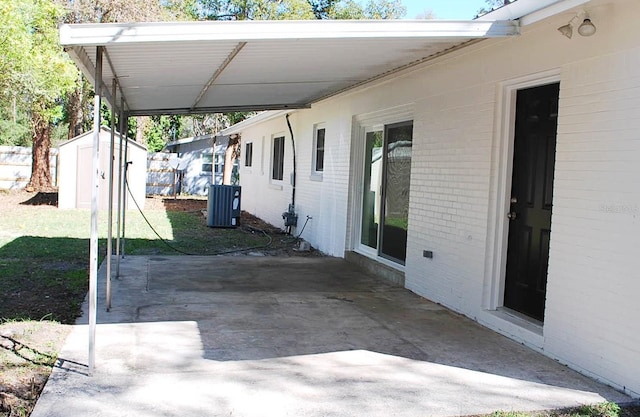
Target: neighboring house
(501, 180)
(74, 190)
(201, 162)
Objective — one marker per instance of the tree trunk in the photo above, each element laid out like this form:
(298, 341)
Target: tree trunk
(74, 112)
(230, 155)
(40, 169)
(77, 106)
(141, 124)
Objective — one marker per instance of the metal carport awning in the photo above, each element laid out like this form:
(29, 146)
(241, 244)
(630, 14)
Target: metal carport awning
(208, 67)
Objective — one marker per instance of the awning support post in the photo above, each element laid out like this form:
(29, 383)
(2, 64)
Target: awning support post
(110, 209)
(93, 241)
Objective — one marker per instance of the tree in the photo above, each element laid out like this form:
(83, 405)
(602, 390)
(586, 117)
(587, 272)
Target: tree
(78, 101)
(230, 155)
(36, 73)
(159, 129)
(385, 9)
(295, 9)
(253, 9)
(322, 8)
(14, 123)
(427, 14)
(492, 5)
(112, 11)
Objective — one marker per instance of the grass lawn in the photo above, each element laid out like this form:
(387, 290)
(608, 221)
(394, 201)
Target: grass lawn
(44, 252)
(44, 258)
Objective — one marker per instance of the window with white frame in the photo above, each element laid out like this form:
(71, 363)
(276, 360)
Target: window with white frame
(277, 159)
(319, 131)
(219, 163)
(248, 154)
(207, 161)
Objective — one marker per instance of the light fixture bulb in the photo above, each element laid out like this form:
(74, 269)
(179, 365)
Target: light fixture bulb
(566, 30)
(587, 28)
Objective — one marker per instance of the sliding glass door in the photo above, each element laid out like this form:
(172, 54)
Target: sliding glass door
(385, 194)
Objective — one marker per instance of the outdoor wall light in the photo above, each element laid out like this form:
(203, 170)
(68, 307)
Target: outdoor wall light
(586, 28)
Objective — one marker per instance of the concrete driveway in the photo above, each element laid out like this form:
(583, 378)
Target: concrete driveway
(265, 336)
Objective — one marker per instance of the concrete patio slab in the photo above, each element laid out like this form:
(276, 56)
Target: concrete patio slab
(265, 336)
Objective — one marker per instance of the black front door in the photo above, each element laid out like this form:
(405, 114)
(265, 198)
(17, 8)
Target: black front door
(531, 199)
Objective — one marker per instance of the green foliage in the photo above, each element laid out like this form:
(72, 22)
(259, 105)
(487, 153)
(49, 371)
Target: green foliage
(295, 9)
(34, 70)
(321, 8)
(237, 117)
(253, 10)
(105, 120)
(373, 9)
(59, 133)
(604, 409)
(110, 11)
(162, 130)
(32, 64)
(510, 414)
(385, 9)
(14, 127)
(182, 9)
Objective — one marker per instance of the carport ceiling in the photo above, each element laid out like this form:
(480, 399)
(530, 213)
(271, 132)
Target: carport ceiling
(206, 67)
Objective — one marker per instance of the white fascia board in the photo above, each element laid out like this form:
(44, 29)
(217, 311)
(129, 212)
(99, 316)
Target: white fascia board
(243, 31)
(517, 9)
(552, 10)
(531, 11)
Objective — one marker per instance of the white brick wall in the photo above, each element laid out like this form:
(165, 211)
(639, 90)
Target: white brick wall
(592, 319)
(596, 223)
(260, 195)
(325, 201)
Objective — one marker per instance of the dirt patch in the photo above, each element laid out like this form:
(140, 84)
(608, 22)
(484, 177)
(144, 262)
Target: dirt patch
(180, 203)
(280, 244)
(28, 351)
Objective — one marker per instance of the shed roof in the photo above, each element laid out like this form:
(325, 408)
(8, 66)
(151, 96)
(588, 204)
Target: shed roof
(190, 139)
(220, 140)
(196, 67)
(104, 130)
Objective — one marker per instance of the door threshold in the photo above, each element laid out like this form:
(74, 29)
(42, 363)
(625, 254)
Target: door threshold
(519, 319)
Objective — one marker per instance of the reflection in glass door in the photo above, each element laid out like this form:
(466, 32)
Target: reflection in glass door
(385, 197)
(372, 188)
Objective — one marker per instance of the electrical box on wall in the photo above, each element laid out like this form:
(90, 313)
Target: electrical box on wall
(290, 217)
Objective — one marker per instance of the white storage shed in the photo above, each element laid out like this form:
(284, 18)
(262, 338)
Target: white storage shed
(75, 171)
